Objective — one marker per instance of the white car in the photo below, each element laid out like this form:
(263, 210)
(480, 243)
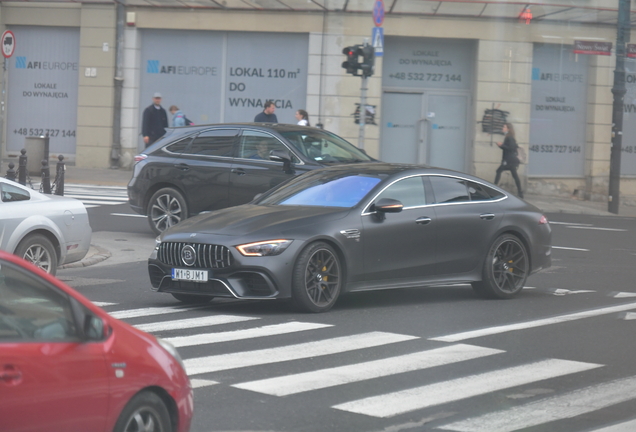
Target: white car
(47, 230)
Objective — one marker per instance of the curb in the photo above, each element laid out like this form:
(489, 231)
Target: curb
(100, 254)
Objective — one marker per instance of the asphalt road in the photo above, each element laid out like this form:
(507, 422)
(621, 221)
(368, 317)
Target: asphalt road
(557, 358)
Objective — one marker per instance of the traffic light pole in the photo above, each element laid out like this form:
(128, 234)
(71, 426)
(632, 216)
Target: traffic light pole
(363, 110)
(618, 90)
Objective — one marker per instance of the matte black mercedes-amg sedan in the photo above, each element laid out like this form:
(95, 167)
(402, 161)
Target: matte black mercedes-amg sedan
(355, 228)
(210, 167)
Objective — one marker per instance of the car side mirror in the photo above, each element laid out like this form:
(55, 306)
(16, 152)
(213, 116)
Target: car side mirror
(388, 205)
(284, 157)
(94, 328)
(91, 327)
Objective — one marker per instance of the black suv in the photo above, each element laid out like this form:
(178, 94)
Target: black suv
(197, 168)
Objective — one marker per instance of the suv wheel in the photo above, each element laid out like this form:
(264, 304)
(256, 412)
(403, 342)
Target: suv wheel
(166, 208)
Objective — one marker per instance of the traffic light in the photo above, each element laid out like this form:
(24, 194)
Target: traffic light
(368, 63)
(351, 64)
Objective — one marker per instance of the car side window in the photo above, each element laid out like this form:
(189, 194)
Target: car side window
(478, 192)
(32, 310)
(409, 191)
(216, 142)
(258, 145)
(10, 193)
(449, 189)
(179, 146)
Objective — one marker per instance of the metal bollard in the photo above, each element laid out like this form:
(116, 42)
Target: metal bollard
(59, 176)
(11, 172)
(22, 167)
(46, 177)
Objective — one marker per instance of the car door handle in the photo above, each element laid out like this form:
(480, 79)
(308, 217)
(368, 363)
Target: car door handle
(423, 220)
(239, 171)
(182, 167)
(10, 375)
(487, 216)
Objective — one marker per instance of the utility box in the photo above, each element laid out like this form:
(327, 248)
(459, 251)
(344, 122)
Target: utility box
(37, 149)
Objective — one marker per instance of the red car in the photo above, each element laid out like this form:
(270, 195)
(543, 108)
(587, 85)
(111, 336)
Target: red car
(66, 365)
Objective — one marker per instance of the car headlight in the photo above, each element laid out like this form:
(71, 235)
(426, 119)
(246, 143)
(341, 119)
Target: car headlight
(171, 350)
(264, 248)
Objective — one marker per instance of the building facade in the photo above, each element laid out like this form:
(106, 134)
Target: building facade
(445, 67)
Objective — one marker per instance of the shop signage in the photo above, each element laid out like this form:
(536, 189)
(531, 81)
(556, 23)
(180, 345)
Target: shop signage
(631, 50)
(558, 116)
(43, 87)
(427, 63)
(237, 72)
(592, 47)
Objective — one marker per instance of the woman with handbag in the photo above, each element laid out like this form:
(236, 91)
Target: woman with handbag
(509, 159)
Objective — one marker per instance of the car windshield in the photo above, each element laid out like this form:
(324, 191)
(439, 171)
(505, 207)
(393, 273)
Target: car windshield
(345, 190)
(325, 147)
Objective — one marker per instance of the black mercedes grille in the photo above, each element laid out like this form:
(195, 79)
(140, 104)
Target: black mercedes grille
(208, 256)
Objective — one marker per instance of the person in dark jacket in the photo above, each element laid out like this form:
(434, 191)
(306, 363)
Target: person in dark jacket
(154, 122)
(267, 116)
(509, 159)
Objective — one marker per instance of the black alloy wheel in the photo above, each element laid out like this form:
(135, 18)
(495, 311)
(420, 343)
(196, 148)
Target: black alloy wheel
(39, 251)
(317, 278)
(166, 208)
(145, 412)
(505, 269)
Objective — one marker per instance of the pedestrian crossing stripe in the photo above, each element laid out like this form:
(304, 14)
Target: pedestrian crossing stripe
(292, 384)
(555, 408)
(134, 313)
(628, 426)
(400, 402)
(94, 196)
(271, 330)
(214, 363)
(536, 323)
(189, 323)
(198, 383)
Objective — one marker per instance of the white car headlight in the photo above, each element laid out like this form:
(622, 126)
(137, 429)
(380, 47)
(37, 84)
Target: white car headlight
(264, 248)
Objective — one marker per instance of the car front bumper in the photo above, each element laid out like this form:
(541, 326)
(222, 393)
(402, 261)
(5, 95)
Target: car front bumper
(244, 277)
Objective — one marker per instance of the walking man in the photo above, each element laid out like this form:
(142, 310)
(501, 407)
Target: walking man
(267, 116)
(155, 121)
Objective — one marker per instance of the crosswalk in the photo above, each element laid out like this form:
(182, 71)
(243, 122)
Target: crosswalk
(408, 354)
(95, 196)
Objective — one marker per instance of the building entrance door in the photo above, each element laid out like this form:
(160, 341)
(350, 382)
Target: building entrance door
(425, 128)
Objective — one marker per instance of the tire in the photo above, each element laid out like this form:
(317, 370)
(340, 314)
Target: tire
(145, 412)
(166, 208)
(38, 250)
(505, 269)
(193, 298)
(317, 278)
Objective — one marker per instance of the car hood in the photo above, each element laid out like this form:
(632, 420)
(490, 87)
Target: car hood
(253, 219)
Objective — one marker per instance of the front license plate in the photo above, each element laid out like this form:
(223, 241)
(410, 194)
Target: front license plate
(190, 275)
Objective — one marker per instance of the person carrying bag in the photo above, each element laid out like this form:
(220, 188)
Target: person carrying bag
(509, 159)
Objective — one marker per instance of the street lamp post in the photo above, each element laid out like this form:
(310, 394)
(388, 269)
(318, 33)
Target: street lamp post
(618, 90)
